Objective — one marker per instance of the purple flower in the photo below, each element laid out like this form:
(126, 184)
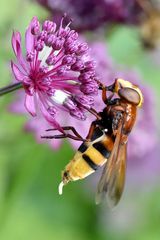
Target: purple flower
(90, 14)
(52, 71)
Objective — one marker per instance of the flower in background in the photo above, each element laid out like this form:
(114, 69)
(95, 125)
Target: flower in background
(90, 14)
(56, 73)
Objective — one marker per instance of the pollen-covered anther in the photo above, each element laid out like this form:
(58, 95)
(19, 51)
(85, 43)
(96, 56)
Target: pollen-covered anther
(49, 40)
(30, 56)
(51, 91)
(51, 60)
(62, 70)
(73, 35)
(39, 45)
(89, 88)
(78, 113)
(87, 101)
(42, 36)
(49, 26)
(71, 48)
(52, 110)
(43, 69)
(35, 28)
(58, 43)
(69, 60)
(90, 66)
(78, 65)
(68, 41)
(85, 78)
(47, 81)
(82, 48)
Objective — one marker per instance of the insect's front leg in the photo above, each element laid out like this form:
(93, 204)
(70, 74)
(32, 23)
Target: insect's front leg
(104, 89)
(106, 99)
(95, 113)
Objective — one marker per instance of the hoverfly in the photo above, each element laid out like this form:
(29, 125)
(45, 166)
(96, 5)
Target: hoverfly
(150, 23)
(106, 142)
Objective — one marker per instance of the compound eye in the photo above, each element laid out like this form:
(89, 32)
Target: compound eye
(65, 174)
(129, 95)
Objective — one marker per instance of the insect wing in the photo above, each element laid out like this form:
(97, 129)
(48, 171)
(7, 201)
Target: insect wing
(111, 183)
(117, 179)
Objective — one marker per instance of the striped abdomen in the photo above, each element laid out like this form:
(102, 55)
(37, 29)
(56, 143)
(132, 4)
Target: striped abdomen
(90, 156)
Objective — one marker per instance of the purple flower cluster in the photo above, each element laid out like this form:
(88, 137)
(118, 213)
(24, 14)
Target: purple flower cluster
(90, 14)
(56, 73)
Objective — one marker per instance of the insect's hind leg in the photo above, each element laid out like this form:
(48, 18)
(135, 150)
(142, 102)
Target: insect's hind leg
(67, 128)
(77, 136)
(60, 136)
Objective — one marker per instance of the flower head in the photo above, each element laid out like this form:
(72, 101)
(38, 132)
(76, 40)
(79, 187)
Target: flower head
(56, 71)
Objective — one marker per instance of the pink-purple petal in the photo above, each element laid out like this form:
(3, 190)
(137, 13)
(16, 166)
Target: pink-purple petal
(51, 120)
(29, 38)
(30, 105)
(19, 75)
(20, 57)
(16, 38)
(56, 144)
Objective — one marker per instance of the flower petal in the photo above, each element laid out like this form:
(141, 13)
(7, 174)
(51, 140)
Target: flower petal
(20, 57)
(30, 105)
(16, 38)
(56, 144)
(38, 126)
(50, 119)
(29, 38)
(19, 75)
(16, 44)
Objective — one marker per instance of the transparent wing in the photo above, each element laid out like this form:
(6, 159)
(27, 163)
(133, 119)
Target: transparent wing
(111, 183)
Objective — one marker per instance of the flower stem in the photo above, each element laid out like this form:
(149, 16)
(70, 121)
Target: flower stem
(10, 88)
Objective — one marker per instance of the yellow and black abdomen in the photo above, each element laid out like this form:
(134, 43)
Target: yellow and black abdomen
(89, 157)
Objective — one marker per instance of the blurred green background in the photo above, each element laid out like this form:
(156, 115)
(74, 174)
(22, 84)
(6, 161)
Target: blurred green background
(30, 207)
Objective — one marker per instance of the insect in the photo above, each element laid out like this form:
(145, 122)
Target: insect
(150, 23)
(106, 141)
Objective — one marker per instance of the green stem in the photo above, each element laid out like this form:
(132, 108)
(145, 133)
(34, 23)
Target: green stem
(10, 88)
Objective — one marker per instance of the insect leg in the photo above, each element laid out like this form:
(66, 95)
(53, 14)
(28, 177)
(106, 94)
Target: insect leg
(104, 95)
(67, 128)
(66, 135)
(106, 99)
(104, 89)
(94, 112)
(91, 130)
